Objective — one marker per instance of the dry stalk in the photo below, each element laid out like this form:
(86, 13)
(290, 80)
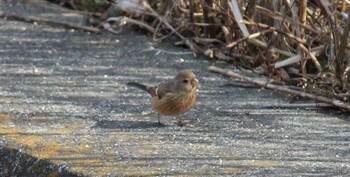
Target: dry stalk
(252, 36)
(302, 13)
(341, 60)
(162, 20)
(270, 14)
(289, 35)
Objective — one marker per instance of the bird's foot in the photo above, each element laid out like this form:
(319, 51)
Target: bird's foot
(161, 124)
(181, 124)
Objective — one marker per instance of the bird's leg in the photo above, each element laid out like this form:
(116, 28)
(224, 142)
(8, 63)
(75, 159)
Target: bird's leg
(179, 121)
(160, 123)
(159, 119)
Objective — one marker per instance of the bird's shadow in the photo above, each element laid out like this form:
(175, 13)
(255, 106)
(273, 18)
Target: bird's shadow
(113, 124)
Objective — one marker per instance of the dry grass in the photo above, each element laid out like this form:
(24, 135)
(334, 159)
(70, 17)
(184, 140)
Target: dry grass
(290, 41)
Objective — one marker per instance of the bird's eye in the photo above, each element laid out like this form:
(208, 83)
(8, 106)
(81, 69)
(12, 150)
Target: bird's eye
(185, 81)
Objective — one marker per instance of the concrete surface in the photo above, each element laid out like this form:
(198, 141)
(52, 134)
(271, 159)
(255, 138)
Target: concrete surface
(65, 111)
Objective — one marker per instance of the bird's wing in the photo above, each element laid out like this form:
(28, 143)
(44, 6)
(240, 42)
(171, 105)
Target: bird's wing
(164, 89)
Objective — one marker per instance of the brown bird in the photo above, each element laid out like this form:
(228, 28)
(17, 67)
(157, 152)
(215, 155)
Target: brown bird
(174, 97)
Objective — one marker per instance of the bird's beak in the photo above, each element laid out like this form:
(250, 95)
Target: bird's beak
(194, 82)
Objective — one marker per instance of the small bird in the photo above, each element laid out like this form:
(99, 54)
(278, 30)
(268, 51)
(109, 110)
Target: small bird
(173, 97)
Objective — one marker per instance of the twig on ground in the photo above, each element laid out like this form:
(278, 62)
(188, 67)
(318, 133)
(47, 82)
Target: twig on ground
(266, 84)
(241, 84)
(158, 51)
(48, 21)
(301, 105)
(123, 20)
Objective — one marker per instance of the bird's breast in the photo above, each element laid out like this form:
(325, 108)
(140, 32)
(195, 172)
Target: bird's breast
(174, 103)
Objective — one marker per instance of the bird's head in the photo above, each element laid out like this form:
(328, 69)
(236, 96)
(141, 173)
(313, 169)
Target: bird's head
(186, 81)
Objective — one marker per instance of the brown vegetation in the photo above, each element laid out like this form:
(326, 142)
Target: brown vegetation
(303, 43)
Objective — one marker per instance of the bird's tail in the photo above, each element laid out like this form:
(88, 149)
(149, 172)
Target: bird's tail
(138, 85)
